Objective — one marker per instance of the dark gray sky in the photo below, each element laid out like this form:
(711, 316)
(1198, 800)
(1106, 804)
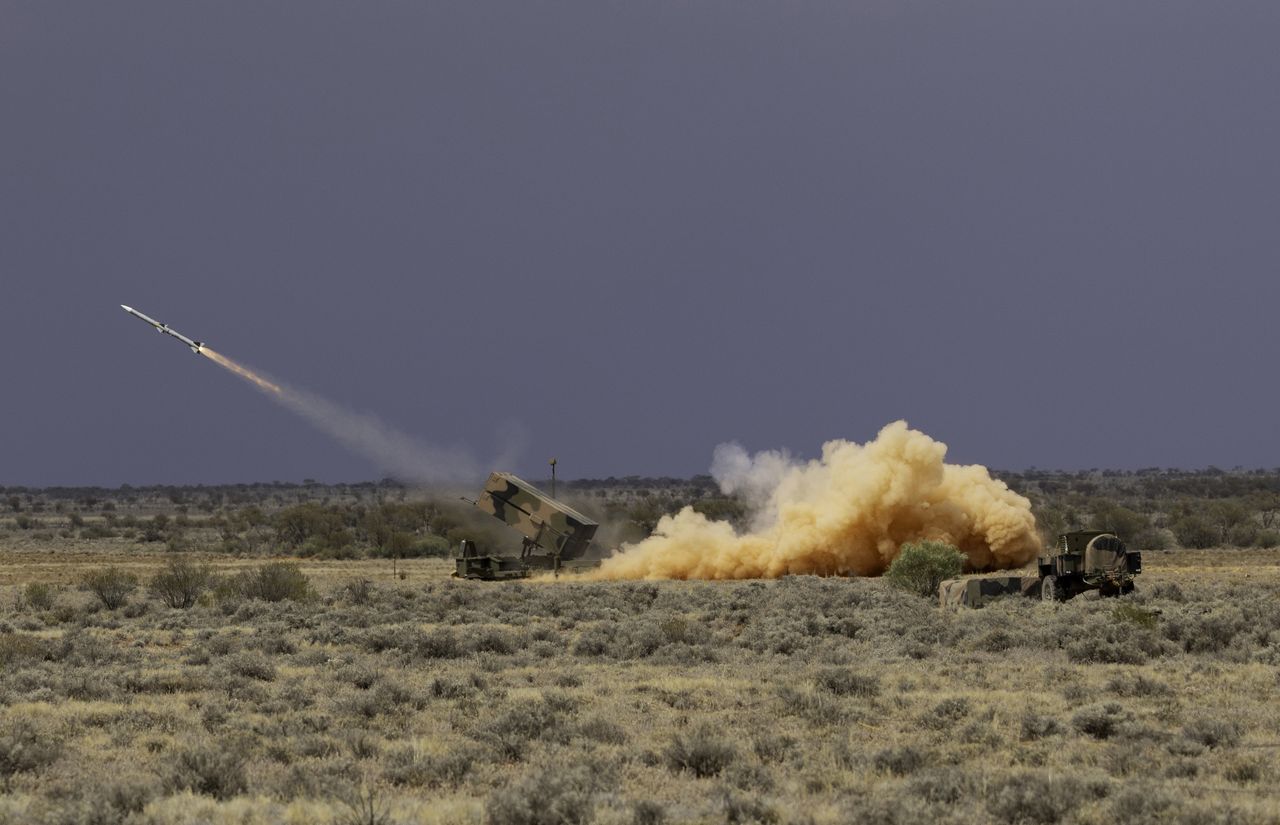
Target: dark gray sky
(1046, 233)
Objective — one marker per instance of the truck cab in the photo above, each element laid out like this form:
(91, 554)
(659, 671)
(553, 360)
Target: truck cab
(1088, 560)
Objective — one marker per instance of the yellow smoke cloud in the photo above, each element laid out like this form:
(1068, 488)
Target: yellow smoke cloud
(846, 513)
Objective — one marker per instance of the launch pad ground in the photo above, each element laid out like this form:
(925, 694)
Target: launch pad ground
(21, 563)
(798, 700)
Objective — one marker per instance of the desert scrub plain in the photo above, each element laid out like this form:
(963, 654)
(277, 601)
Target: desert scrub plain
(807, 700)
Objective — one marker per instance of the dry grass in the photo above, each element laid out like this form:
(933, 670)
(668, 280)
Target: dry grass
(800, 700)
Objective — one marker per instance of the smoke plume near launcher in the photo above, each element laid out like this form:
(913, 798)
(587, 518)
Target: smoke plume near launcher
(398, 454)
(845, 513)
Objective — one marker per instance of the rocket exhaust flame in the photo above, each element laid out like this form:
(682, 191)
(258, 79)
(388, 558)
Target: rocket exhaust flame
(846, 513)
(241, 370)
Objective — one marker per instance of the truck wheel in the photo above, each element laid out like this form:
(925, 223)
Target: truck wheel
(1049, 589)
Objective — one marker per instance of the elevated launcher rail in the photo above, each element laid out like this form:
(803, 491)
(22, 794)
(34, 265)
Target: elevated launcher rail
(553, 531)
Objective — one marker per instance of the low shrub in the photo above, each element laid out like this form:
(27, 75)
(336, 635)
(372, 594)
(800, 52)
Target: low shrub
(817, 707)
(24, 749)
(1035, 726)
(601, 730)
(111, 585)
(20, 648)
(511, 733)
(944, 786)
(746, 808)
(771, 747)
(411, 766)
(1144, 805)
(1243, 771)
(250, 666)
(1117, 643)
(648, 812)
(701, 753)
(1135, 615)
(1212, 733)
(404, 546)
(845, 682)
(38, 596)
(275, 581)
(1137, 684)
(1267, 538)
(208, 770)
(1100, 721)
(439, 643)
(491, 640)
(1033, 799)
(553, 797)
(181, 583)
(899, 761)
(1209, 632)
(946, 713)
(360, 592)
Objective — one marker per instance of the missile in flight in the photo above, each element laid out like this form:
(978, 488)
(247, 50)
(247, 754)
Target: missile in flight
(196, 346)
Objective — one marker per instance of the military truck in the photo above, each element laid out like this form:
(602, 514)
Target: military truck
(1087, 560)
(1080, 561)
(556, 536)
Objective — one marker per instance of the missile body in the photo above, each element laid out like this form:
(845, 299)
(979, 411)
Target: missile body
(195, 346)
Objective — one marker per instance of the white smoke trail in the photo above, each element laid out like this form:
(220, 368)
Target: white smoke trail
(397, 454)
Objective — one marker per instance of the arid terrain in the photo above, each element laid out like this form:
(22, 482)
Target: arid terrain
(373, 696)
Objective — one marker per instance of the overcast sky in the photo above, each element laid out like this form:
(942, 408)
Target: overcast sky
(1047, 233)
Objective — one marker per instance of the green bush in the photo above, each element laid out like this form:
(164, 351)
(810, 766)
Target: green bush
(181, 583)
(38, 596)
(510, 733)
(406, 546)
(97, 531)
(1150, 539)
(111, 585)
(1033, 799)
(844, 682)
(1213, 733)
(1196, 533)
(553, 797)
(250, 665)
(360, 591)
(946, 713)
(208, 770)
(275, 581)
(701, 753)
(921, 567)
(648, 812)
(23, 749)
(899, 761)
(1244, 534)
(1135, 615)
(1267, 538)
(1122, 521)
(21, 648)
(1036, 726)
(156, 529)
(1101, 721)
